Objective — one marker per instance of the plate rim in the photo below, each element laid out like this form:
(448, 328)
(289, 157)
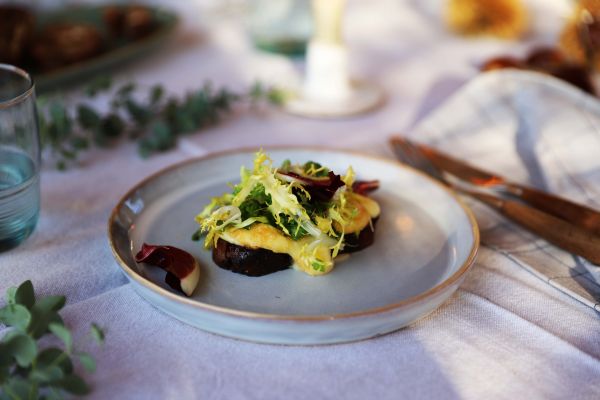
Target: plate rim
(186, 301)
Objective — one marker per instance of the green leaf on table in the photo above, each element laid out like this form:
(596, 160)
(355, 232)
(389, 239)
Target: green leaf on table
(138, 113)
(50, 303)
(63, 334)
(20, 346)
(61, 125)
(87, 117)
(44, 312)
(98, 85)
(126, 90)
(10, 295)
(15, 315)
(156, 94)
(80, 143)
(97, 333)
(20, 389)
(25, 295)
(87, 361)
(46, 374)
(68, 154)
(55, 356)
(74, 385)
(112, 126)
(276, 96)
(4, 373)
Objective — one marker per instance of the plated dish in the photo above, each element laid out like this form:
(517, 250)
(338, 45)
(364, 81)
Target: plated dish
(426, 241)
(68, 44)
(301, 215)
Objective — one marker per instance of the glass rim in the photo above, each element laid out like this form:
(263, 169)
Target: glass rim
(25, 93)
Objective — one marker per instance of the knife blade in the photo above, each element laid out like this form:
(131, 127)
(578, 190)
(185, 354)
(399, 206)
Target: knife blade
(567, 210)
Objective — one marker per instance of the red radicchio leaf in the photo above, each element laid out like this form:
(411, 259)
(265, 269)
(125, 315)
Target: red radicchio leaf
(178, 263)
(321, 189)
(364, 187)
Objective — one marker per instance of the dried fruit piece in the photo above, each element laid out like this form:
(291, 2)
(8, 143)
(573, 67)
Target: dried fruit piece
(183, 271)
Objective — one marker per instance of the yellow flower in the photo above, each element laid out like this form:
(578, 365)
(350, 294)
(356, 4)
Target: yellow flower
(571, 40)
(505, 19)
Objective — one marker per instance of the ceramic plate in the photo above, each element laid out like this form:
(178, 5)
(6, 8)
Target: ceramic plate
(426, 240)
(119, 52)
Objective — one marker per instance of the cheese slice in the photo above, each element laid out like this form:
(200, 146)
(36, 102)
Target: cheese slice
(264, 236)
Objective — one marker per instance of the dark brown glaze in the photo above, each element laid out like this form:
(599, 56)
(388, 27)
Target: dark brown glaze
(250, 262)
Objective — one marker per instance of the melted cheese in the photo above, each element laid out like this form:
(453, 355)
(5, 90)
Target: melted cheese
(263, 236)
(365, 208)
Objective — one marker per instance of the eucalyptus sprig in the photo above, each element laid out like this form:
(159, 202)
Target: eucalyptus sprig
(153, 119)
(28, 371)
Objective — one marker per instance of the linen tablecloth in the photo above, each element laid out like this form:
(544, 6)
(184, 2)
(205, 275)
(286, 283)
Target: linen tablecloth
(505, 334)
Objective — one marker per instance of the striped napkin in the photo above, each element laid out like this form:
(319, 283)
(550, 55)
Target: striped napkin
(533, 129)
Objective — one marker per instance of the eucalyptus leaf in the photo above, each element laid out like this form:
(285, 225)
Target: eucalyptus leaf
(50, 303)
(53, 356)
(23, 371)
(11, 294)
(25, 295)
(87, 117)
(156, 94)
(70, 130)
(47, 374)
(74, 385)
(112, 126)
(87, 361)
(15, 315)
(97, 333)
(98, 85)
(45, 311)
(20, 346)
(4, 373)
(63, 334)
(18, 388)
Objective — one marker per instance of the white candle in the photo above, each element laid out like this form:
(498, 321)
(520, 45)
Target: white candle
(327, 76)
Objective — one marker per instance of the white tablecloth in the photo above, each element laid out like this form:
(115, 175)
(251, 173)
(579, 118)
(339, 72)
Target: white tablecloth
(505, 334)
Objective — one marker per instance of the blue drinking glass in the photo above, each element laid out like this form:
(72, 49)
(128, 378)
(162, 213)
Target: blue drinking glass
(19, 157)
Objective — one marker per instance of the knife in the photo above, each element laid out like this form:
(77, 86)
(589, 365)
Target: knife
(558, 231)
(576, 214)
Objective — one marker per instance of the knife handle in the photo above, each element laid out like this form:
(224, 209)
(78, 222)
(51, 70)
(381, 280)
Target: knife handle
(577, 214)
(555, 230)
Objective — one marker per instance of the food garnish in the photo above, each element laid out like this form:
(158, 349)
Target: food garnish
(183, 271)
(305, 211)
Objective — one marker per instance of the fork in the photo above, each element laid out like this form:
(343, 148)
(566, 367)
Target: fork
(555, 230)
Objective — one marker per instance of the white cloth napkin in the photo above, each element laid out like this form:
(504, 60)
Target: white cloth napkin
(537, 130)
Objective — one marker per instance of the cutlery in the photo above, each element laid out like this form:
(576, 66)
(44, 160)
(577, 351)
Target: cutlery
(563, 223)
(577, 214)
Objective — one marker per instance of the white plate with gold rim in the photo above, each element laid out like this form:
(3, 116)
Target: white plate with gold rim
(426, 240)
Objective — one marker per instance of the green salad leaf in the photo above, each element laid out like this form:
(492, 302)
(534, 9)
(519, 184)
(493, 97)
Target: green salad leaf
(306, 202)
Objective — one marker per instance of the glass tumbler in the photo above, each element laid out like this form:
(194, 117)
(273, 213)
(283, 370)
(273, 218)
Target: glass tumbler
(19, 157)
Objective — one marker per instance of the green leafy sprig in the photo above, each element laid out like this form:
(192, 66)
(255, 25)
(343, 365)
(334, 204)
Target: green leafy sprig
(26, 370)
(154, 120)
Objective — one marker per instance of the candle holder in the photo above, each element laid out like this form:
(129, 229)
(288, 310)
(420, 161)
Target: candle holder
(328, 91)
